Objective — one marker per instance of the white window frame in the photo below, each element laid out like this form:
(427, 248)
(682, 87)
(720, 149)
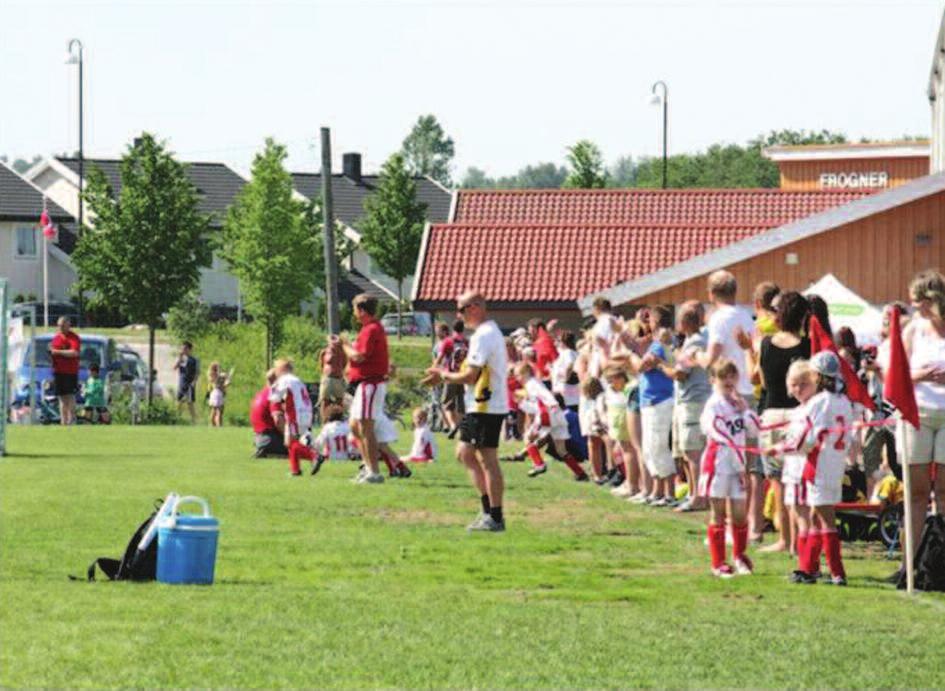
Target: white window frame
(16, 244)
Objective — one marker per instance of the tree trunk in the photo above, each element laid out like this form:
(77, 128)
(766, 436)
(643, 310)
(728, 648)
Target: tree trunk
(400, 310)
(150, 363)
(268, 343)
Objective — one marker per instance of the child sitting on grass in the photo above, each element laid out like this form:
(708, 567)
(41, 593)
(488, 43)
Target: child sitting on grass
(424, 445)
(93, 392)
(334, 439)
(726, 421)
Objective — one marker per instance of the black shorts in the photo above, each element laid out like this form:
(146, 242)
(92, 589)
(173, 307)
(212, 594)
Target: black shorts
(269, 444)
(65, 384)
(187, 393)
(481, 430)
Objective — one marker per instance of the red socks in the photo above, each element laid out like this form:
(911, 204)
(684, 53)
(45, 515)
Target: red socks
(739, 540)
(813, 551)
(391, 463)
(832, 548)
(803, 558)
(535, 455)
(574, 466)
(296, 449)
(716, 535)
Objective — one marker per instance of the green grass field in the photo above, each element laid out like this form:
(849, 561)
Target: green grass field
(321, 583)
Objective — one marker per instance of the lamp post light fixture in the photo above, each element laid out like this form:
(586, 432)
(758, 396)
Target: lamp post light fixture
(75, 56)
(662, 99)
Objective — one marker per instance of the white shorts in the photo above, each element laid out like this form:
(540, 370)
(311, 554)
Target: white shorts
(827, 487)
(385, 431)
(368, 401)
(923, 445)
(657, 421)
(795, 493)
(722, 486)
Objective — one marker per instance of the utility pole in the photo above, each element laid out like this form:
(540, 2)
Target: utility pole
(328, 239)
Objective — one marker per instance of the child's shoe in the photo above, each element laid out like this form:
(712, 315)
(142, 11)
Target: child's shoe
(744, 566)
(538, 470)
(317, 465)
(802, 578)
(724, 571)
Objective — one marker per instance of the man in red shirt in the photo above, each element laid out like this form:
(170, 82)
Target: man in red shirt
(64, 349)
(267, 420)
(368, 370)
(544, 348)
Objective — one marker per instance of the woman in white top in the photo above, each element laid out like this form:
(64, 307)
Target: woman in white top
(924, 340)
(564, 378)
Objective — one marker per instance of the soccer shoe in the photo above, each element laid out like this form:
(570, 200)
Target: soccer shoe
(744, 566)
(658, 502)
(622, 492)
(317, 465)
(476, 523)
(600, 481)
(362, 471)
(617, 479)
(370, 478)
(724, 571)
(487, 525)
(582, 478)
(405, 472)
(291, 474)
(538, 470)
(802, 578)
(638, 498)
(836, 580)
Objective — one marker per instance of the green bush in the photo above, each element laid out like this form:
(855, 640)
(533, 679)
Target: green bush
(190, 319)
(160, 412)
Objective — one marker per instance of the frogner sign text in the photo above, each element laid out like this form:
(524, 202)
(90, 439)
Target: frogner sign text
(854, 180)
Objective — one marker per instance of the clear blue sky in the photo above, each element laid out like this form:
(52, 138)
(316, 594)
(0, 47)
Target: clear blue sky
(513, 82)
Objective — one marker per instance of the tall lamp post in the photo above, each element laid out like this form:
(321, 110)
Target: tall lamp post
(662, 99)
(75, 58)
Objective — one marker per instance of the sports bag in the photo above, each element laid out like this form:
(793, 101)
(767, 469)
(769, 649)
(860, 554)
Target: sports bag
(135, 564)
(929, 563)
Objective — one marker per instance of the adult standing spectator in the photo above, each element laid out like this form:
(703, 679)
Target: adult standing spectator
(564, 377)
(924, 341)
(64, 349)
(730, 333)
(268, 421)
(368, 370)
(331, 388)
(545, 351)
(484, 376)
(777, 352)
(602, 335)
(451, 354)
(692, 390)
(186, 367)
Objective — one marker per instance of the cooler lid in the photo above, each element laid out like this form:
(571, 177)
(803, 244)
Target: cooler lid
(189, 522)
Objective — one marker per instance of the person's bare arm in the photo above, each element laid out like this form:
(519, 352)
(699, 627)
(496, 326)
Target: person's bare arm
(707, 358)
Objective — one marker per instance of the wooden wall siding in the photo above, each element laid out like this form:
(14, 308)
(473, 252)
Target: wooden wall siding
(805, 175)
(876, 257)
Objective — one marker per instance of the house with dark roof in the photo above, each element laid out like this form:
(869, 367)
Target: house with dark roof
(350, 189)
(216, 184)
(538, 252)
(21, 240)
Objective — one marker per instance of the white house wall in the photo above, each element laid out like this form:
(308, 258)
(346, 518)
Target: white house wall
(25, 276)
(218, 286)
(60, 190)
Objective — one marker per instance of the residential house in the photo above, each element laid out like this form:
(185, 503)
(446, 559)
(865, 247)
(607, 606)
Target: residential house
(21, 240)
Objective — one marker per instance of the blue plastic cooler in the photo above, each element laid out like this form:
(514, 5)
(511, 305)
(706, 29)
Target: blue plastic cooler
(187, 545)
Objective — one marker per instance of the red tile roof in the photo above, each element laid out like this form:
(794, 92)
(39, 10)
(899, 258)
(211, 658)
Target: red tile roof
(772, 207)
(534, 263)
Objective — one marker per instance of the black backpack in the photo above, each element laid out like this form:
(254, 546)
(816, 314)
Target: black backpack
(929, 564)
(134, 565)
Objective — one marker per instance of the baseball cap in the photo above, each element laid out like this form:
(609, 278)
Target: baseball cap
(826, 363)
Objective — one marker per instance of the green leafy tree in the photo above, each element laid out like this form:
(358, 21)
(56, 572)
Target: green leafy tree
(622, 173)
(272, 244)
(535, 177)
(392, 226)
(144, 254)
(477, 179)
(428, 151)
(587, 166)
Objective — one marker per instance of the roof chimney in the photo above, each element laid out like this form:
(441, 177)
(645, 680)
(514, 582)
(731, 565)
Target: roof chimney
(351, 167)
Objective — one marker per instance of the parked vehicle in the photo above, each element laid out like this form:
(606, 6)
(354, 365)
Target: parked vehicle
(134, 373)
(99, 349)
(56, 310)
(414, 323)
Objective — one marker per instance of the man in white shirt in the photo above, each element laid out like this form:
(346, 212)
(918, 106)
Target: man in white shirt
(483, 374)
(730, 336)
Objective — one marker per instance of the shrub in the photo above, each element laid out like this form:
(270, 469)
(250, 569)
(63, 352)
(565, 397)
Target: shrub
(160, 412)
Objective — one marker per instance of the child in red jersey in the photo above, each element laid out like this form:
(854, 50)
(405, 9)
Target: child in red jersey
(726, 421)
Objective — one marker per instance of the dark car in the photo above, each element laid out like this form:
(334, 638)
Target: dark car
(56, 310)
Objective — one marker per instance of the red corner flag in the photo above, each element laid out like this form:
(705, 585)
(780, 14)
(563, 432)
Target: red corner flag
(49, 228)
(819, 340)
(898, 387)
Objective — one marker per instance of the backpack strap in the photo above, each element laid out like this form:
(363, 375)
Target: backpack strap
(108, 566)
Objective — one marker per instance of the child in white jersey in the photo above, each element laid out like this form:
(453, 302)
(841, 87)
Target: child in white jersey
(823, 436)
(424, 445)
(727, 423)
(289, 391)
(334, 439)
(801, 385)
(547, 419)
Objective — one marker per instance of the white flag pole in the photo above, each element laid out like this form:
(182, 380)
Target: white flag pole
(909, 550)
(45, 272)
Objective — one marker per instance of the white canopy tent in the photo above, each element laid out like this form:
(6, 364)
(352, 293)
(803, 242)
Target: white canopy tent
(848, 309)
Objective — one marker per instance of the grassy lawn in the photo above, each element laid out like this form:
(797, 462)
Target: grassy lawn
(321, 583)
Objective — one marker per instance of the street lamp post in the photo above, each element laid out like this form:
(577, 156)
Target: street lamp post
(663, 99)
(75, 56)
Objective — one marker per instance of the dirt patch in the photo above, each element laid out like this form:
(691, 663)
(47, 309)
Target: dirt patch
(416, 516)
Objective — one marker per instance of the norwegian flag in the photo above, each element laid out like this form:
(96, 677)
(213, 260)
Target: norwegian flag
(45, 222)
(898, 388)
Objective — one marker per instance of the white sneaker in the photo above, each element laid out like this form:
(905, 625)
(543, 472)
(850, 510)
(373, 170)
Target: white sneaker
(362, 472)
(660, 501)
(724, 571)
(622, 492)
(370, 478)
(744, 567)
(638, 498)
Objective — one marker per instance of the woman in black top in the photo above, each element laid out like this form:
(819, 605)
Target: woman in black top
(777, 352)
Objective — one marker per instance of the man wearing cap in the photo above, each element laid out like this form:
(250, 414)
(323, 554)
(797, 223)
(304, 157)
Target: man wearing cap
(483, 375)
